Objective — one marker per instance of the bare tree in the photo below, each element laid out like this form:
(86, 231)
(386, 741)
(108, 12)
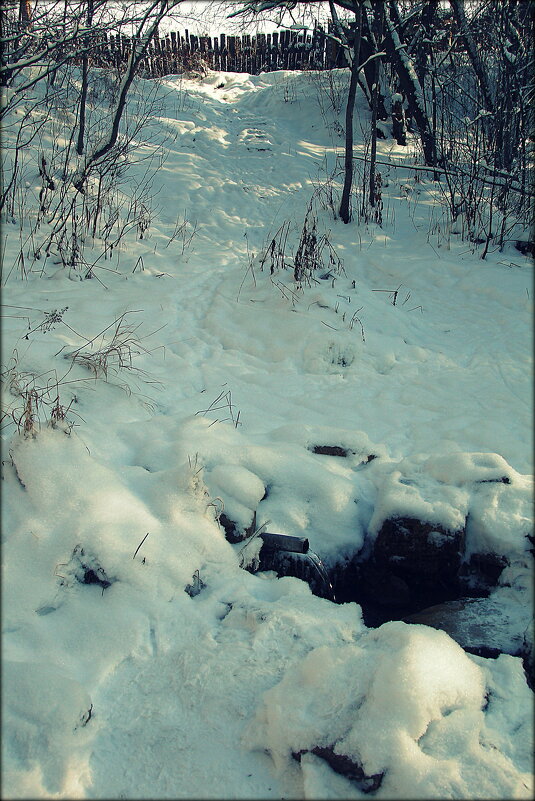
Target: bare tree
(379, 14)
(345, 213)
(403, 65)
(148, 26)
(85, 80)
(53, 125)
(472, 50)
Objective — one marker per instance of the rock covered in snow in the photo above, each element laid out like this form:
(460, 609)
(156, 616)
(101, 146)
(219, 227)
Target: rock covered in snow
(240, 491)
(407, 712)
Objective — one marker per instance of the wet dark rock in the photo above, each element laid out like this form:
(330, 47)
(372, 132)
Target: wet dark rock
(480, 574)
(345, 766)
(330, 450)
(419, 551)
(411, 565)
(382, 594)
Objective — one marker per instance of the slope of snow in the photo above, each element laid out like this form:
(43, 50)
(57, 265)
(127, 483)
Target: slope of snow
(118, 683)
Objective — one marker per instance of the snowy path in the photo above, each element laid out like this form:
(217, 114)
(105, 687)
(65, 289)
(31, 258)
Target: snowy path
(232, 386)
(244, 153)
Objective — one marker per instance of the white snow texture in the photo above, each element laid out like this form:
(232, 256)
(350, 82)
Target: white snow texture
(116, 682)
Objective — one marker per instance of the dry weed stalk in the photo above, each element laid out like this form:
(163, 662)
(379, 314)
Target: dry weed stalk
(223, 401)
(36, 401)
(310, 254)
(116, 353)
(314, 252)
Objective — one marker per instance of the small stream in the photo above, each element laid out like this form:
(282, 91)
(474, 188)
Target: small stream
(384, 597)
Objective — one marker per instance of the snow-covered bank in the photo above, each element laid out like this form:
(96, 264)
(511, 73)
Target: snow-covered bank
(223, 378)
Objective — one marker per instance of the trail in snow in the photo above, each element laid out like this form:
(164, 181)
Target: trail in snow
(208, 696)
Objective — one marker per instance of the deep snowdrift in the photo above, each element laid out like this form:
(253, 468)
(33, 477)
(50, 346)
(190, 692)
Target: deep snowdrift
(117, 683)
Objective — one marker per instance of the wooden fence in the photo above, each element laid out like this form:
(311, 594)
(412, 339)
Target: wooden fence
(176, 52)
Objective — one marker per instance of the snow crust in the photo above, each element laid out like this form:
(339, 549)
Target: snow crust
(119, 683)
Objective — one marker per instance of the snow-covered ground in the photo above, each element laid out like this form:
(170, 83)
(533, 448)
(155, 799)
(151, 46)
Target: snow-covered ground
(406, 346)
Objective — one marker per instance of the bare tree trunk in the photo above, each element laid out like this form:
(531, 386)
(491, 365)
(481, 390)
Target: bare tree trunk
(379, 11)
(369, 47)
(424, 48)
(411, 87)
(85, 79)
(457, 7)
(140, 43)
(5, 73)
(344, 211)
(399, 123)
(25, 13)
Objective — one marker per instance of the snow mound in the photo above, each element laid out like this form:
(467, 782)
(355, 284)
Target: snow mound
(477, 491)
(405, 703)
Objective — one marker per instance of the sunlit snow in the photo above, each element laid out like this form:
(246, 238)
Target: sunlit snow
(415, 352)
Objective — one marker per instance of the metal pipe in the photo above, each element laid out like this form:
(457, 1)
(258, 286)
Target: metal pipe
(285, 542)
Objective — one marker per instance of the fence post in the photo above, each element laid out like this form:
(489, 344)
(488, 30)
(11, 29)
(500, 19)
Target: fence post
(231, 62)
(262, 65)
(275, 51)
(167, 55)
(223, 50)
(246, 52)
(318, 46)
(287, 50)
(238, 66)
(217, 55)
(176, 50)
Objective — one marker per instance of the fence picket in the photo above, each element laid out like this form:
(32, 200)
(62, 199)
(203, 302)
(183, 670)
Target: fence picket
(176, 51)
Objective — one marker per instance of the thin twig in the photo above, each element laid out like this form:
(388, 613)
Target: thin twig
(140, 544)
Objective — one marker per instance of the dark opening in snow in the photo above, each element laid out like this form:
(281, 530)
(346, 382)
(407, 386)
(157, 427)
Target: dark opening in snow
(414, 571)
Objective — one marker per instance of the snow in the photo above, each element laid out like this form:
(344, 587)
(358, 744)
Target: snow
(403, 701)
(117, 682)
(52, 738)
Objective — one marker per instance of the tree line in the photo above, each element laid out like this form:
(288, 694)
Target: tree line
(460, 74)
(457, 76)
